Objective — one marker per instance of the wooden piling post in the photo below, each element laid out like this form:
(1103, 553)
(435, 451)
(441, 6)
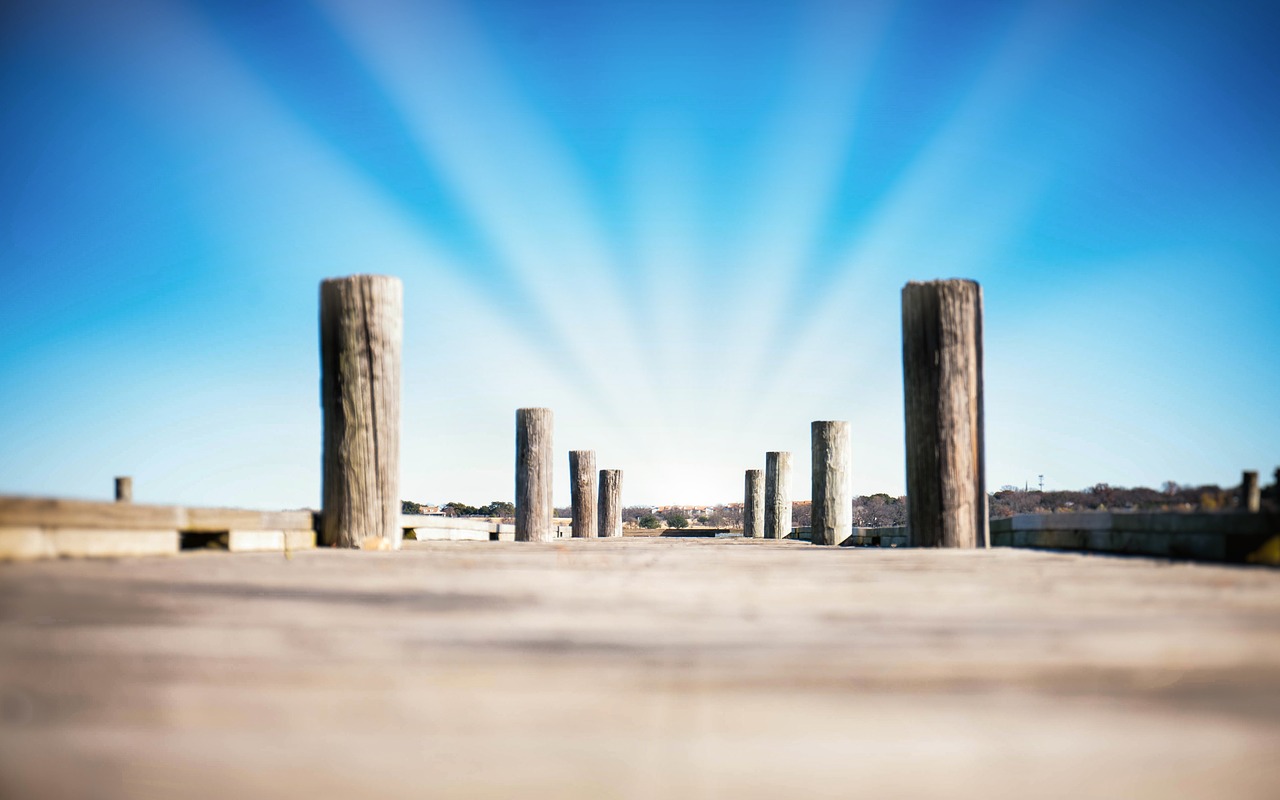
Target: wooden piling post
(361, 329)
(777, 495)
(124, 489)
(610, 502)
(753, 507)
(942, 387)
(582, 477)
(1250, 493)
(534, 472)
(832, 502)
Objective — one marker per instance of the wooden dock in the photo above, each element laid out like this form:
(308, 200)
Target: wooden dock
(638, 668)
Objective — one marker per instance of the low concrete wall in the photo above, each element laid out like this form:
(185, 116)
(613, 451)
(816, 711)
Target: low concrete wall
(459, 529)
(1233, 537)
(863, 537)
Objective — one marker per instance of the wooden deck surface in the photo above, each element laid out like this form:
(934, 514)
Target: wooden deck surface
(638, 668)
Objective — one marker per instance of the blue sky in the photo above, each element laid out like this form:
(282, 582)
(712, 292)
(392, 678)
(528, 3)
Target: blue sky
(683, 226)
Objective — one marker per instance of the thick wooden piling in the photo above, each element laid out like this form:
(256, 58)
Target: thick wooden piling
(777, 495)
(1250, 493)
(610, 502)
(582, 476)
(361, 329)
(832, 501)
(534, 472)
(942, 387)
(753, 505)
(124, 489)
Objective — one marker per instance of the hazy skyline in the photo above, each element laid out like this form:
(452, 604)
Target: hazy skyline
(682, 226)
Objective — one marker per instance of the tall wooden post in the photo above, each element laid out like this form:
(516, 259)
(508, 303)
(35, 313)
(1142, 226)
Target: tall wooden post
(1250, 493)
(582, 476)
(533, 475)
(361, 328)
(832, 501)
(777, 495)
(610, 502)
(942, 387)
(753, 506)
(124, 489)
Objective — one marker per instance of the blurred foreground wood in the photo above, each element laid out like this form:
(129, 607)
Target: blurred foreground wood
(638, 668)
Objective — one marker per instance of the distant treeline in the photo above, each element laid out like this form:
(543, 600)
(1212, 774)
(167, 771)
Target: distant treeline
(1011, 500)
(498, 508)
(882, 510)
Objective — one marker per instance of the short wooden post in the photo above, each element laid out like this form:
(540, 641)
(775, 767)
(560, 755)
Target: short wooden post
(832, 502)
(534, 471)
(753, 506)
(610, 502)
(942, 387)
(124, 489)
(361, 329)
(1250, 493)
(777, 495)
(582, 476)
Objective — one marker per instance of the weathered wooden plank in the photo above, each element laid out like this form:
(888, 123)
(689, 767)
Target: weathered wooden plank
(107, 543)
(24, 544)
(409, 521)
(225, 519)
(270, 541)
(361, 328)
(59, 512)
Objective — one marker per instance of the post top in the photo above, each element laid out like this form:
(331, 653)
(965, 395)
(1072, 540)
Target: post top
(360, 277)
(942, 283)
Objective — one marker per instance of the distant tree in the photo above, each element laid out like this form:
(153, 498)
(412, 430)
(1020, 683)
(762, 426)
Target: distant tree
(498, 508)
(410, 507)
(649, 521)
(676, 519)
(632, 514)
(802, 513)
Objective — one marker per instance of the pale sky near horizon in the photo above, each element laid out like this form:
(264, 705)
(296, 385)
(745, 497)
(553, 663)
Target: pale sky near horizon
(682, 226)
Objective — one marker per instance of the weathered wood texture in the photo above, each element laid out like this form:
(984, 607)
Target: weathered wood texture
(124, 489)
(1250, 493)
(582, 477)
(639, 668)
(52, 512)
(610, 502)
(534, 475)
(361, 329)
(19, 543)
(777, 495)
(832, 512)
(942, 387)
(753, 505)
